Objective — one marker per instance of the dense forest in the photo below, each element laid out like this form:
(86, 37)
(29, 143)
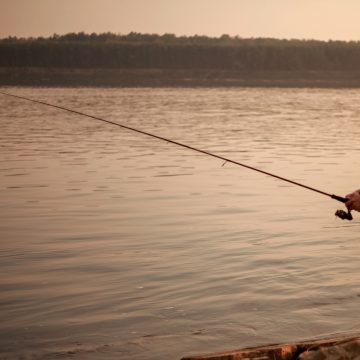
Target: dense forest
(151, 51)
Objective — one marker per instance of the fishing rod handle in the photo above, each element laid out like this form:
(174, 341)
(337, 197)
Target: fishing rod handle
(339, 198)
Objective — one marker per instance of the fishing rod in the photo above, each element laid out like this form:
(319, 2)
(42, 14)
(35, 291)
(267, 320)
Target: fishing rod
(340, 213)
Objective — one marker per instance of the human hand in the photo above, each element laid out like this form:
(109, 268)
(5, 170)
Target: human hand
(354, 201)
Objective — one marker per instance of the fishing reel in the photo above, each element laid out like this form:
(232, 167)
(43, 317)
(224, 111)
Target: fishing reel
(343, 215)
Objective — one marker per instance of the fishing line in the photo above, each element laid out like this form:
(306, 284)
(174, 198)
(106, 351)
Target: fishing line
(340, 213)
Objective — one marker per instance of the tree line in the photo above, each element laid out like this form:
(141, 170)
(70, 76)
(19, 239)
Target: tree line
(152, 51)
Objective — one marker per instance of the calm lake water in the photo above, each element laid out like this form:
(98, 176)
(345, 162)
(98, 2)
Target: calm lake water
(119, 246)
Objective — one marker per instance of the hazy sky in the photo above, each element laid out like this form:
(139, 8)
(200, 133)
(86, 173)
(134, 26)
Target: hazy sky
(303, 19)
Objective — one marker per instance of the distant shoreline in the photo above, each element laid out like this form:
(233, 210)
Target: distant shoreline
(63, 77)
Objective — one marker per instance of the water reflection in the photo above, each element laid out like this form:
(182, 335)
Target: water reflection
(112, 243)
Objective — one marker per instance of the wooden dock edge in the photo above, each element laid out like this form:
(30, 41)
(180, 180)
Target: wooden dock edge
(275, 351)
